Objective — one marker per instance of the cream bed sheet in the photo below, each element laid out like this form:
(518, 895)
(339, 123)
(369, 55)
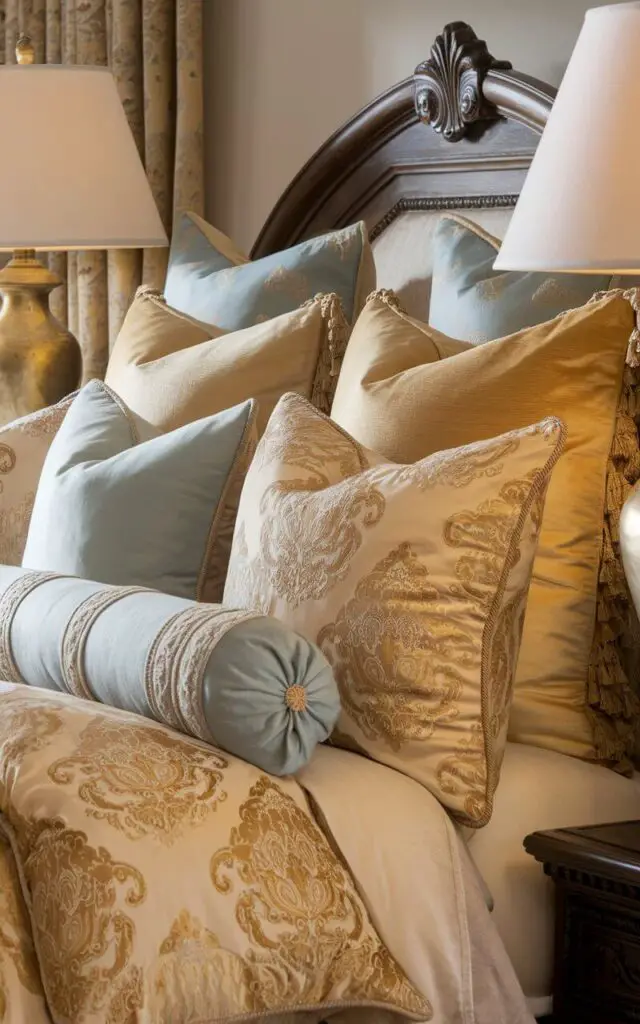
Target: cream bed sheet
(539, 789)
(414, 875)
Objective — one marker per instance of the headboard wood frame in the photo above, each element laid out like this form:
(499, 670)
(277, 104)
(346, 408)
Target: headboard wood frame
(459, 134)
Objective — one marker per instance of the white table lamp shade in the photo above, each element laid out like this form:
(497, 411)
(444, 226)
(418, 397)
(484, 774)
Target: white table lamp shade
(70, 173)
(579, 209)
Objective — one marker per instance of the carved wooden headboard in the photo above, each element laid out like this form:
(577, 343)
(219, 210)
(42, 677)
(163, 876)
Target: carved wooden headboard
(385, 162)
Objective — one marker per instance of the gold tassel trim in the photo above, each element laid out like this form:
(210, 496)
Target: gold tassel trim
(331, 351)
(388, 296)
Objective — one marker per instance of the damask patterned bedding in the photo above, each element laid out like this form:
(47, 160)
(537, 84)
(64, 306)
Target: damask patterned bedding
(148, 878)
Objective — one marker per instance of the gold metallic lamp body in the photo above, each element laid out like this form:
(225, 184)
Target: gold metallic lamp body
(40, 360)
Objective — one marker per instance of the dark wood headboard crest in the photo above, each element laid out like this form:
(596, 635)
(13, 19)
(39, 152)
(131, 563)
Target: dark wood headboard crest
(384, 161)
(448, 86)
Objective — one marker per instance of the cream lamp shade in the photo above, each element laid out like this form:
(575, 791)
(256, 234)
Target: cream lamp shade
(70, 173)
(579, 209)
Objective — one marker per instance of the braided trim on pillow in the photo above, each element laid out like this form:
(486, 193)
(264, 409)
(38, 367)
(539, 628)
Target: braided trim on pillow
(389, 296)
(612, 704)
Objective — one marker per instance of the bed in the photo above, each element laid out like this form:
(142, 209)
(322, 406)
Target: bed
(300, 902)
(458, 135)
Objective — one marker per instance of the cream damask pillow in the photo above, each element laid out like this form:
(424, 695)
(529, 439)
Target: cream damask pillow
(170, 883)
(413, 581)
(23, 448)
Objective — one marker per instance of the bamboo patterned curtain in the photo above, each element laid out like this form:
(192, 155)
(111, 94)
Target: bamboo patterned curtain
(154, 48)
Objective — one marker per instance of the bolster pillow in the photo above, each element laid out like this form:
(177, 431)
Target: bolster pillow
(237, 679)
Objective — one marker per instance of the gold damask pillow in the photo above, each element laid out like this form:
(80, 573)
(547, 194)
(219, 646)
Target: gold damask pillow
(407, 391)
(23, 448)
(412, 580)
(169, 883)
(21, 995)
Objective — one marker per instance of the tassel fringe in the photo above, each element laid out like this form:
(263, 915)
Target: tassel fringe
(613, 707)
(331, 353)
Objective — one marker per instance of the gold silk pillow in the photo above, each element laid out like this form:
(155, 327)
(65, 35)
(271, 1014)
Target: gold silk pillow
(172, 370)
(400, 395)
(23, 448)
(170, 883)
(411, 579)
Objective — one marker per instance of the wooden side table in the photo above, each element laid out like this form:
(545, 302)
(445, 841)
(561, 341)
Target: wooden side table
(596, 872)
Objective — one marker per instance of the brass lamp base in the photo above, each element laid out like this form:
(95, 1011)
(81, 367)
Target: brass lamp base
(40, 360)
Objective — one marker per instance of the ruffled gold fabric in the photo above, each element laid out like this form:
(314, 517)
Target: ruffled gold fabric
(154, 49)
(613, 705)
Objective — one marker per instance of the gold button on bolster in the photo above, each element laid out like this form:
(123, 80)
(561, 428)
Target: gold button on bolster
(296, 698)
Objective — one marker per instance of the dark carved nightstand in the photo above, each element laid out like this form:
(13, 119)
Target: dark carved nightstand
(596, 872)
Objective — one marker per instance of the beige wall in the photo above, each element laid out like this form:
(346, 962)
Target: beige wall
(281, 75)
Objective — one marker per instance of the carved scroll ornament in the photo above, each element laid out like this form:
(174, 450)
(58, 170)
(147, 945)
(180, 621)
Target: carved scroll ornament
(448, 86)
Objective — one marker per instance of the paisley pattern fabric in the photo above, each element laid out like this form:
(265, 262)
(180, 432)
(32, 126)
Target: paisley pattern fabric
(210, 280)
(21, 996)
(134, 779)
(167, 882)
(411, 579)
(155, 52)
(23, 448)
(473, 302)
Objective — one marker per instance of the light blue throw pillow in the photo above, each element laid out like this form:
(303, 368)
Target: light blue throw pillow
(473, 302)
(209, 279)
(236, 679)
(121, 503)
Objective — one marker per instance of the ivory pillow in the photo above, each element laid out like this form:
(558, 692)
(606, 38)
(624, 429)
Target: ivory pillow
(23, 447)
(411, 579)
(398, 395)
(171, 370)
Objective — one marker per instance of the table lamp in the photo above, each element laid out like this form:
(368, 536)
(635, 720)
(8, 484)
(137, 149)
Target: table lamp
(70, 178)
(579, 209)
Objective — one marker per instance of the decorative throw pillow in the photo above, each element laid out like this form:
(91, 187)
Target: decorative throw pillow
(209, 279)
(172, 370)
(397, 396)
(472, 301)
(233, 678)
(412, 580)
(119, 503)
(21, 995)
(23, 448)
(167, 882)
